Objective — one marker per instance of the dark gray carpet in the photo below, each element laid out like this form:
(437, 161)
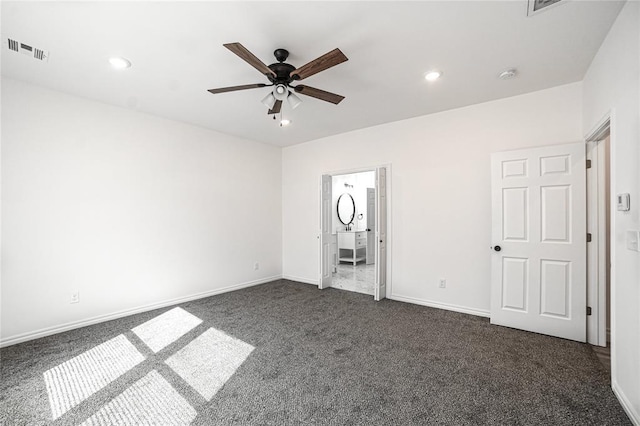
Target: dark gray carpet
(334, 357)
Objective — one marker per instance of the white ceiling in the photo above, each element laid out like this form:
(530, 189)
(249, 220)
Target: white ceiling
(177, 54)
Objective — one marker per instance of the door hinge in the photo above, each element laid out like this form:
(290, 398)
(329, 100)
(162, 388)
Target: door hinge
(588, 164)
(588, 237)
(588, 310)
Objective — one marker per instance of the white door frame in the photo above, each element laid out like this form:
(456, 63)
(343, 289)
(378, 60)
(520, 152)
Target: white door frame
(389, 230)
(597, 268)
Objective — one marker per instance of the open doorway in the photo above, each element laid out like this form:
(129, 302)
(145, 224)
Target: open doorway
(353, 237)
(353, 223)
(599, 248)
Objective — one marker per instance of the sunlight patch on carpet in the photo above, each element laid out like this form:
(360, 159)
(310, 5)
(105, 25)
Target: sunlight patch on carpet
(73, 381)
(163, 330)
(209, 361)
(149, 401)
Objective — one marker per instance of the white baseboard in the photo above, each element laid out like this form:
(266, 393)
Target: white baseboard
(440, 305)
(299, 279)
(634, 416)
(31, 335)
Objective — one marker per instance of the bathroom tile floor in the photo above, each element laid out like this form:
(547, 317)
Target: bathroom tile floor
(360, 278)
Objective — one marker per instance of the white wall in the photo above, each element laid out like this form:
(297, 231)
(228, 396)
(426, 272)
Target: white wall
(612, 86)
(128, 209)
(440, 190)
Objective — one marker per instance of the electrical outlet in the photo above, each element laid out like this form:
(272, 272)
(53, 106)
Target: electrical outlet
(443, 283)
(256, 266)
(75, 297)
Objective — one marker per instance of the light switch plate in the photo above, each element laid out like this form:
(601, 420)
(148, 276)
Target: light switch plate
(633, 240)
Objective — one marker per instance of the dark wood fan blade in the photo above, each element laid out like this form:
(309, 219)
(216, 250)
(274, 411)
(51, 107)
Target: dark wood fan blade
(325, 61)
(276, 108)
(234, 88)
(249, 58)
(319, 94)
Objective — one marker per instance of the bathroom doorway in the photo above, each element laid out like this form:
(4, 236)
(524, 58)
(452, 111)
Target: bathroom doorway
(353, 251)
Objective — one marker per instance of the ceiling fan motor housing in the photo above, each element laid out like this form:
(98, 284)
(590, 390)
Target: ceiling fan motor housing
(282, 72)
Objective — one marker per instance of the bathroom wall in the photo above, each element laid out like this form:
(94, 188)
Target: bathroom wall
(360, 182)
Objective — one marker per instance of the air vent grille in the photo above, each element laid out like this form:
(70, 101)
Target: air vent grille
(541, 4)
(26, 49)
(39, 54)
(13, 45)
(536, 6)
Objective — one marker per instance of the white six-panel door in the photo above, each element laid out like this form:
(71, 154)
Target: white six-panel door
(325, 232)
(371, 225)
(381, 234)
(538, 262)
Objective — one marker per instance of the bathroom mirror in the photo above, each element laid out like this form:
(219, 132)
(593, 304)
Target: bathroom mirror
(346, 208)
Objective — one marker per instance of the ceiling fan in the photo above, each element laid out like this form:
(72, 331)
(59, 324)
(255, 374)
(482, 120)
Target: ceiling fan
(281, 75)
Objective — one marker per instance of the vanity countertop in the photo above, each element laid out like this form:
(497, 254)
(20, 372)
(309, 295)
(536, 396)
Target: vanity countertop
(352, 231)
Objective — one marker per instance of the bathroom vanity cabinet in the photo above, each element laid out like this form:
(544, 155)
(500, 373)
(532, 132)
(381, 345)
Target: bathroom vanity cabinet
(352, 246)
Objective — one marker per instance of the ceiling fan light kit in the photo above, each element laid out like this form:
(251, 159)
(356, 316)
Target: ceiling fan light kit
(293, 100)
(280, 92)
(269, 100)
(281, 75)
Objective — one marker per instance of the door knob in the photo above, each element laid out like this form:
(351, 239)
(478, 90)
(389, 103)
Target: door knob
(497, 248)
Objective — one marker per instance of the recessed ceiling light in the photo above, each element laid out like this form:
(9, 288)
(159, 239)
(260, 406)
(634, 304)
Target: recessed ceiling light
(119, 63)
(433, 75)
(507, 74)
(285, 122)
